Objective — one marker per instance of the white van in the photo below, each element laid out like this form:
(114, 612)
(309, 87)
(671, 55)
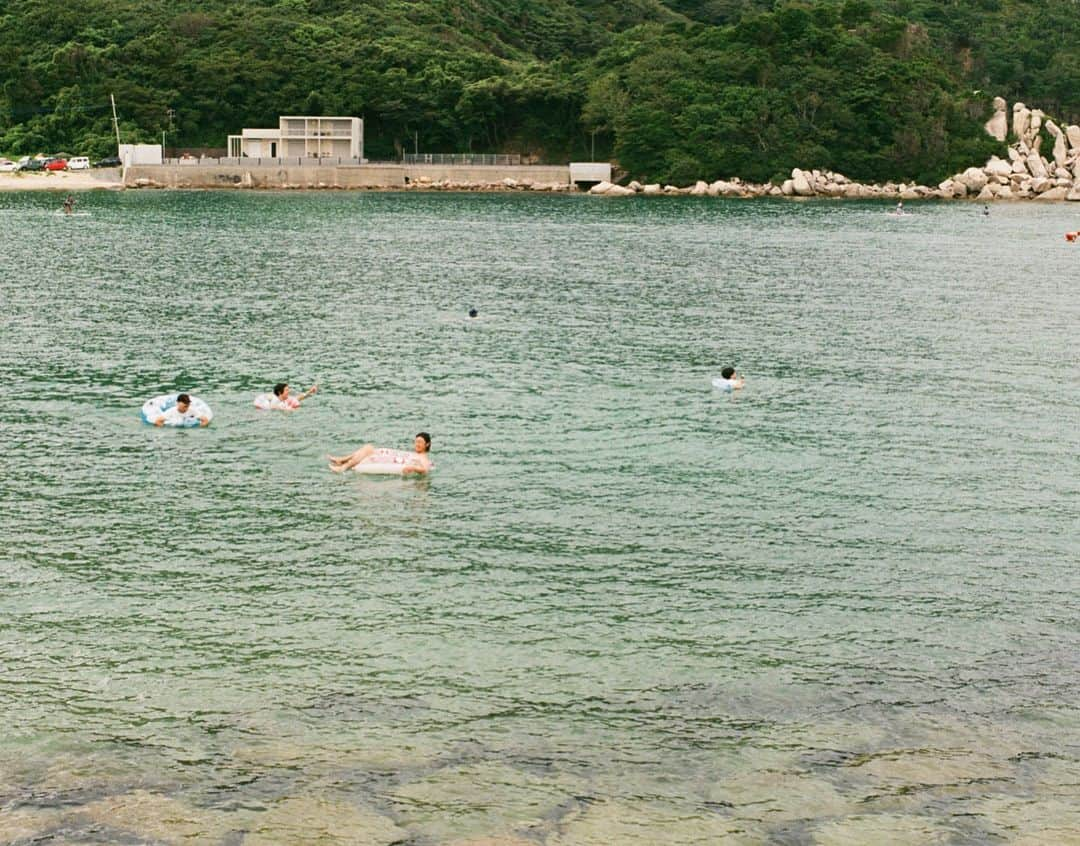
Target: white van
(79, 163)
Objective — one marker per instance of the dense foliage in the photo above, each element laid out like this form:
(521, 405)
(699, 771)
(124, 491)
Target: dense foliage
(671, 89)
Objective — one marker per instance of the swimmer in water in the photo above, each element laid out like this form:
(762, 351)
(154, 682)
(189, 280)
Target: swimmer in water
(733, 381)
(900, 208)
(283, 402)
(986, 211)
(177, 415)
(417, 462)
(69, 204)
(473, 312)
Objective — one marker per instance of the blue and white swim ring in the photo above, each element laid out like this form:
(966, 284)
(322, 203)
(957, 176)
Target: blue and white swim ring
(153, 409)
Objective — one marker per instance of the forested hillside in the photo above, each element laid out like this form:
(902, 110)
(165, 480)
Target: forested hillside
(670, 89)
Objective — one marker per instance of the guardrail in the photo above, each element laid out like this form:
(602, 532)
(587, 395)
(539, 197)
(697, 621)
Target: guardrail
(497, 159)
(462, 159)
(261, 161)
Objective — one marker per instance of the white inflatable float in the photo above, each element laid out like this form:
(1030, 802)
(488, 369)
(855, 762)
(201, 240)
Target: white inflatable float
(154, 408)
(387, 462)
(269, 402)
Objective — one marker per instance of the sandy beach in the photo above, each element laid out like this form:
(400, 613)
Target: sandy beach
(81, 180)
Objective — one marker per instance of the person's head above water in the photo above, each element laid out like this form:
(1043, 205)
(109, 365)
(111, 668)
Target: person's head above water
(281, 389)
(422, 442)
(728, 372)
(473, 312)
(182, 402)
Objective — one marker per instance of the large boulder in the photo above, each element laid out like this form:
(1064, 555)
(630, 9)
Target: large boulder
(651, 188)
(1039, 184)
(1035, 165)
(700, 189)
(987, 193)
(1021, 121)
(997, 167)
(952, 188)
(998, 125)
(620, 191)
(1073, 132)
(601, 188)
(1037, 116)
(788, 188)
(1005, 193)
(801, 183)
(1061, 152)
(1054, 194)
(973, 178)
(1060, 147)
(1074, 194)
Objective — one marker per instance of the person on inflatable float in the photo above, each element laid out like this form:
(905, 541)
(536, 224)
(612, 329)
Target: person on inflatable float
(418, 462)
(175, 415)
(283, 402)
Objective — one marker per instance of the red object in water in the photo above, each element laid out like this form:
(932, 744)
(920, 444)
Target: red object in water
(1071, 236)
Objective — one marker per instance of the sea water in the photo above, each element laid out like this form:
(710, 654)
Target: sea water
(838, 606)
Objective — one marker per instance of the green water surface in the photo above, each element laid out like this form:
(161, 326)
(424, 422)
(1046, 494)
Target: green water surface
(837, 607)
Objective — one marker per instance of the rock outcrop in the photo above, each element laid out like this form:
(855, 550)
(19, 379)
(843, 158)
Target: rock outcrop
(998, 125)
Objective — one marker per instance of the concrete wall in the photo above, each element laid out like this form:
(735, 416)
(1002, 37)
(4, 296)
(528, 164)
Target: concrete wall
(148, 154)
(330, 176)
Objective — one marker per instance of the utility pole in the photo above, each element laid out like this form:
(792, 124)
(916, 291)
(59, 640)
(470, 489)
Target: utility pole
(169, 113)
(116, 123)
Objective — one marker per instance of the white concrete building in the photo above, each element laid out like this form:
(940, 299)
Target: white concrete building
(140, 154)
(302, 138)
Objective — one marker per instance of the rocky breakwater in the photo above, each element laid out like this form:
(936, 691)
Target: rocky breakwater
(424, 183)
(803, 183)
(1026, 173)
(720, 188)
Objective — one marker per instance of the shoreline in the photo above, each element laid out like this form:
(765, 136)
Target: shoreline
(822, 186)
(84, 180)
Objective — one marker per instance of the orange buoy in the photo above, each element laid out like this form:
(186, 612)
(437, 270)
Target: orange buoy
(1071, 236)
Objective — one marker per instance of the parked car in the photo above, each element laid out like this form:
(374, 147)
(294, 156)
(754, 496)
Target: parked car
(7, 166)
(108, 161)
(32, 164)
(56, 164)
(78, 163)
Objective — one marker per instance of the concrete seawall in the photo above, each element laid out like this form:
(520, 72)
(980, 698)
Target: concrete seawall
(335, 176)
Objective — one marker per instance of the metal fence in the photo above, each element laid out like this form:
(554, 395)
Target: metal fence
(259, 161)
(496, 159)
(468, 159)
